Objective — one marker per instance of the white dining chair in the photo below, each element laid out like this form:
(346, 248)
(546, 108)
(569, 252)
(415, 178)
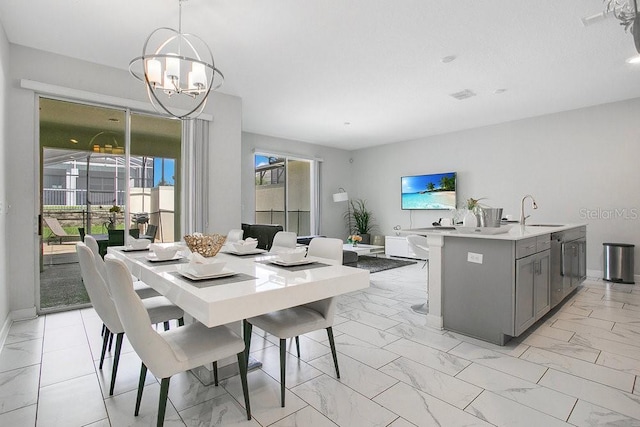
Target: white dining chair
(284, 240)
(170, 352)
(234, 235)
(295, 321)
(159, 309)
(141, 288)
(420, 247)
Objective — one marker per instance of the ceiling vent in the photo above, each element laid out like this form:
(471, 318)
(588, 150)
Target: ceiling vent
(463, 94)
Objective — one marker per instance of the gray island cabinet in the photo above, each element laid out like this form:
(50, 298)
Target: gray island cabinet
(495, 287)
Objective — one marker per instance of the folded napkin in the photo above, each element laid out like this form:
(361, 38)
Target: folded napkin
(247, 241)
(196, 258)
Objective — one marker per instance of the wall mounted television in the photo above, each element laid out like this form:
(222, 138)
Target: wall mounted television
(429, 192)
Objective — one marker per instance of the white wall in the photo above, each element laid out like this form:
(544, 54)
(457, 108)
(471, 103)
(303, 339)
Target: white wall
(4, 83)
(335, 173)
(574, 163)
(23, 195)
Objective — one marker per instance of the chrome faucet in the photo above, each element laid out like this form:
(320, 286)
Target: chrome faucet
(535, 206)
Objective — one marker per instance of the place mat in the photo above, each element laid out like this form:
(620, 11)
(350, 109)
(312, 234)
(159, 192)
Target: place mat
(126, 249)
(182, 260)
(295, 267)
(250, 254)
(239, 277)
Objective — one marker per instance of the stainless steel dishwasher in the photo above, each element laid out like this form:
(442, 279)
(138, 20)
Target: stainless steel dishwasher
(568, 262)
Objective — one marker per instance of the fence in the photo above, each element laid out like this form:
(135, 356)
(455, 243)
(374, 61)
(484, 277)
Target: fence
(298, 221)
(78, 197)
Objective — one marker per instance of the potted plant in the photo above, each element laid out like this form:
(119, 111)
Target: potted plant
(474, 214)
(361, 218)
(113, 210)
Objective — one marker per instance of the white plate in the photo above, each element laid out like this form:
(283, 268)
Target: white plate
(251, 252)
(154, 258)
(304, 261)
(190, 274)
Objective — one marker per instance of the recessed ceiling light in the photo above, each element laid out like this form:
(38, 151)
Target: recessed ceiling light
(447, 59)
(114, 120)
(347, 123)
(73, 141)
(499, 91)
(633, 60)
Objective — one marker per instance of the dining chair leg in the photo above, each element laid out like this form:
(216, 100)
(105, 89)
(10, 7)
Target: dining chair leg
(103, 329)
(110, 340)
(247, 328)
(298, 346)
(283, 358)
(166, 325)
(162, 405)
(215, 374)
(242, 366)
(116, 360)
(333, 349)
(105, 340)
(143, 376)
(181, 321)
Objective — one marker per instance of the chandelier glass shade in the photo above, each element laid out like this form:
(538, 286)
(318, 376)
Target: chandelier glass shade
(174, 63)
(626, 11)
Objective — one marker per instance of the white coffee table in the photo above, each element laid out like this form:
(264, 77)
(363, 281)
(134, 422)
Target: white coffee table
(361, 249)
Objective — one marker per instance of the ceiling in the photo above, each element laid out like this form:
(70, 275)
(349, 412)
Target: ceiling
(358, 73)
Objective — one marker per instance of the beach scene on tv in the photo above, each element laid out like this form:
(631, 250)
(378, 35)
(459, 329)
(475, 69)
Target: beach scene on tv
(435, 191)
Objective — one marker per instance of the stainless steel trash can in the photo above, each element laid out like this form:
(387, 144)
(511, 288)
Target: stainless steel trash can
(618, 262)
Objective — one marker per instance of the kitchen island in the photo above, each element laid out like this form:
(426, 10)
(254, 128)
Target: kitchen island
(495, 286)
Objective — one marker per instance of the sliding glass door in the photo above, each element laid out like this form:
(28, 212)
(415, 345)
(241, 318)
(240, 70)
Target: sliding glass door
(97, 178)
(285, 192)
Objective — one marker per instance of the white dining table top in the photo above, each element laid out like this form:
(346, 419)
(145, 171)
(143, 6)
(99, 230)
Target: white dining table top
(272, 288)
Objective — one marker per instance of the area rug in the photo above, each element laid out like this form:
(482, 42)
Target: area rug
(61, 286)
(376, 264)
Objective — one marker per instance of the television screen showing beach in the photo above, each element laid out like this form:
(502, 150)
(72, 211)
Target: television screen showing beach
(435, 191)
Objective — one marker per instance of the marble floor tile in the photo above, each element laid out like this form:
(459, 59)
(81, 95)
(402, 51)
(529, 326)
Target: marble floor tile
(25, 416)
(424, 410)
(401, 422)
(551, 332)
(62, 319)
(619, 333)
(513, 348)
(127, 377)
(602, 344)
(341, 404)
(65, 364)
(362, 316)
(597, 304)
(367, 333)
(59, 404)
(373, 307)
(587, 414)
(264, 395)
(424, 336)
(572, 309)
(120, 409)
(65, 337)
(435, 383)
(362, 378)
(501, 411)
(19, 388)
(222, 410)
(364, 352)
(620, 363)
(306, 416)
(384, 301)
(411, 318)
(600, 374)
(187, 391)
(501, 362)
(574, 348)
(592, 392)
(524, 392)
(25, 330)
(309, 349)
(101, 423)
(297, 370)
(20, 354)
(428, 356)
(587, 321)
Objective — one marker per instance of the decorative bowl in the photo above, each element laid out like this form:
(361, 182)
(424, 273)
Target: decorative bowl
(139, 243)
(292, 255)
(243, 246)
(207, 269)
(205, 245)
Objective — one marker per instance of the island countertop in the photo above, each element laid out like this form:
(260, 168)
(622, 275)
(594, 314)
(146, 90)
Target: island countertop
(515, 232)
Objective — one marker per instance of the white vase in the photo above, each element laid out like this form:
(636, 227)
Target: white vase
(470, 220)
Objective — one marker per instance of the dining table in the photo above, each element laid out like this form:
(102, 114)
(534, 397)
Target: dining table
(250, 284)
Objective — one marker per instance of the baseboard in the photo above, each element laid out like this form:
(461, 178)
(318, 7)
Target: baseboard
(599, 274)
(4, 332)
(24, 314)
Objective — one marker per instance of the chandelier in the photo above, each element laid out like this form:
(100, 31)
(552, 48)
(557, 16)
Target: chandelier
(177, 65)
(626, 11)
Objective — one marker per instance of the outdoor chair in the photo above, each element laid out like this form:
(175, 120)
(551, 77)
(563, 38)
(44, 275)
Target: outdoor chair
(150, 234)
(57, 232)
(168, 353)
(295, 321)
(116, 238)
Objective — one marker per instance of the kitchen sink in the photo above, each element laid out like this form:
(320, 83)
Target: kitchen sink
(545, 225)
